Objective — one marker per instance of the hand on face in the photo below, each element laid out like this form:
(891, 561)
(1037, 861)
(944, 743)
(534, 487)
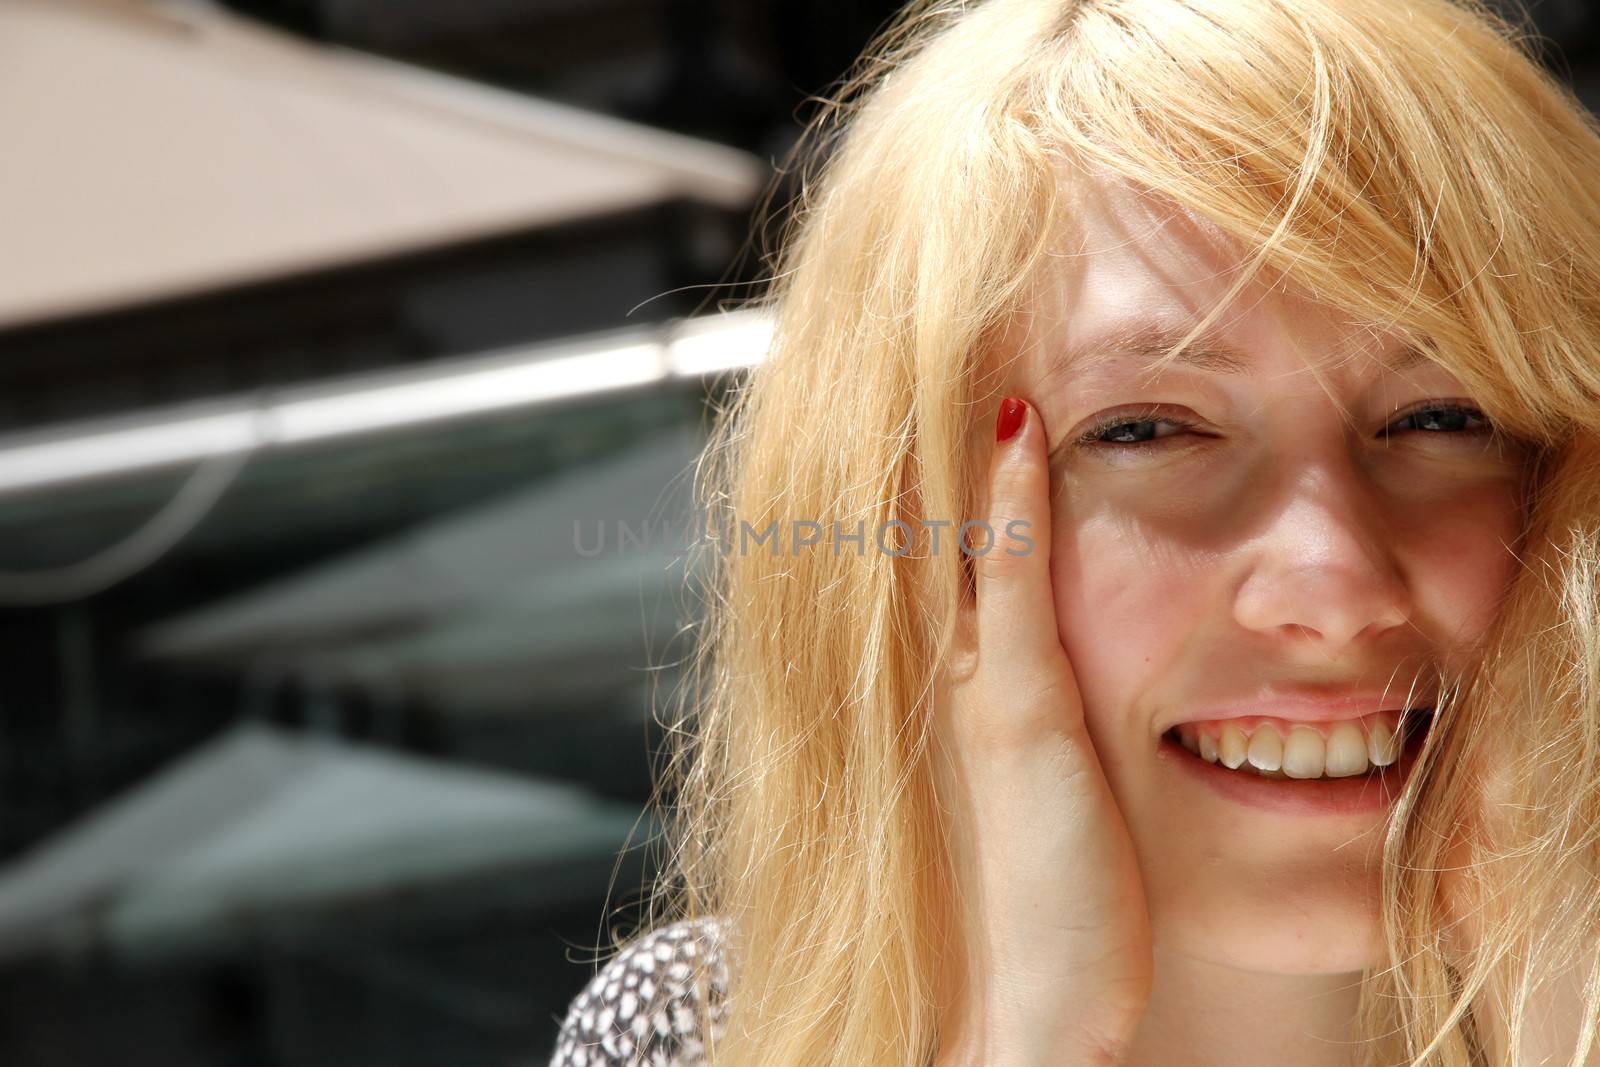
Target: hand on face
(1058, 951)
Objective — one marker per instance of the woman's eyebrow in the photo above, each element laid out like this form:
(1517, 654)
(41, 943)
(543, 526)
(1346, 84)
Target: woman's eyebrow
(1148, 342)
(1143, 343)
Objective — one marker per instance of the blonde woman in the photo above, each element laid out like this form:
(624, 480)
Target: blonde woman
(1251, 348)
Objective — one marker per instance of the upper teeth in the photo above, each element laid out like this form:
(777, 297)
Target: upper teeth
(1351, 747)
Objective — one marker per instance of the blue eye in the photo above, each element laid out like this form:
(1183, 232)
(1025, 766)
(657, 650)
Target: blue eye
(1454, 416)
(1136, 429)
(1137, 424)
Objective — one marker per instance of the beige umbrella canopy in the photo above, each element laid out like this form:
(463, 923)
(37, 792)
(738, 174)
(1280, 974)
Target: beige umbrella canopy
(154, 149)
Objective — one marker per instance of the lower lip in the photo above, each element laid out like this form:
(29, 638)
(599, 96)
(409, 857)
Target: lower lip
(1356, 795)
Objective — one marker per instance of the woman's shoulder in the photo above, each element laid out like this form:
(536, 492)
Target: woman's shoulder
(641, 1007)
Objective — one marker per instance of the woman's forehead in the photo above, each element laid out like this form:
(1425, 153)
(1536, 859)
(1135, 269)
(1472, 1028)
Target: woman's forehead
(1120, 255)
(1129, 275)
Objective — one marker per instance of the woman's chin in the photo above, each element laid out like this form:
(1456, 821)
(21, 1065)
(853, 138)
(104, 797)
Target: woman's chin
(1310, 941)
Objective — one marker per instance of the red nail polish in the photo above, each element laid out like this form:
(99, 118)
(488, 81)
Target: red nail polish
(1012, 410)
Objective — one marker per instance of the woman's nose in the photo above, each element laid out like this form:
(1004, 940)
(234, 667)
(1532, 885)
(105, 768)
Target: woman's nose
(1323, 561)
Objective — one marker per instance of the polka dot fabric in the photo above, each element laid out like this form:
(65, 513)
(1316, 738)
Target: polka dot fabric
(638, 1010)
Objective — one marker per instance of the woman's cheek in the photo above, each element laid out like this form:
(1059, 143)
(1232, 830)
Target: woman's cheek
(1122, 612)
(1468, 567)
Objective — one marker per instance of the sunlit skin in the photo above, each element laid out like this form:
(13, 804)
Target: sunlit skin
(1274, 543)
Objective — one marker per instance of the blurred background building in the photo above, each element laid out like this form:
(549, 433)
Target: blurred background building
(353, 357)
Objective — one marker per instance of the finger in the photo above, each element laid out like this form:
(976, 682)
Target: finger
(1016, 612)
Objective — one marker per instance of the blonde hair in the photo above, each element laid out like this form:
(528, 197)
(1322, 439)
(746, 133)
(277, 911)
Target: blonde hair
(1409, 163)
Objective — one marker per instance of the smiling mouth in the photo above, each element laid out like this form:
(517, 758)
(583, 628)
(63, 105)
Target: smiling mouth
(1367, 752)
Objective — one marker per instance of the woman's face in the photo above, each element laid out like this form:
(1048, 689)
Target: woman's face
(1267, 549)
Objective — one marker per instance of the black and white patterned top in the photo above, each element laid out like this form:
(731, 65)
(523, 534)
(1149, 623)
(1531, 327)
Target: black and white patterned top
(639, 1009)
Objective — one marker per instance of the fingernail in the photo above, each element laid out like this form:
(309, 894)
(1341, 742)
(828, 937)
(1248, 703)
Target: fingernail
(1012, 410)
